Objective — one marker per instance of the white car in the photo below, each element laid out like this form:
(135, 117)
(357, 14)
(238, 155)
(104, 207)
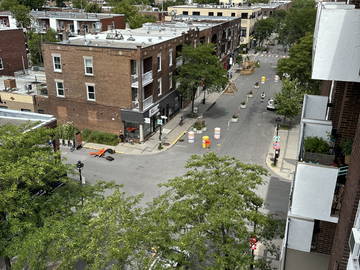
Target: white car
(271, 105)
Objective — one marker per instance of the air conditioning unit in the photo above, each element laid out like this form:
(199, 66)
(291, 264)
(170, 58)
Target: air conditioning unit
(354, 244)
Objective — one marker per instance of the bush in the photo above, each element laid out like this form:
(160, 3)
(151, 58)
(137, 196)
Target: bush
(100, 137)
(316, 145)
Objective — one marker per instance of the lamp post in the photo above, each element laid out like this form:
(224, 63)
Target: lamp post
(79, 166)
(277, 121)
(277, 140)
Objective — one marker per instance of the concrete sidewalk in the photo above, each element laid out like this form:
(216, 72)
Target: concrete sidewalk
(287, 160)
(171, 131)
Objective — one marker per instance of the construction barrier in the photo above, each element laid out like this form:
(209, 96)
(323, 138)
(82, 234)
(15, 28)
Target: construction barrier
(217, 133)
(191, 136)
(263, 79)
(206, 143)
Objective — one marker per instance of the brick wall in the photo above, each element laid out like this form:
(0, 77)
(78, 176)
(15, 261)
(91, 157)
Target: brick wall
(12, 51)
(346, 109)
(340, 249)
(324, 237)
(117, 21)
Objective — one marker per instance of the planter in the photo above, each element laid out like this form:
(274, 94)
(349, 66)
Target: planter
(324, 159)
(204, 129)
(198, 131)
(250, 95)
(194, 129)
(256, 86)
(234, 119)
(242, 106)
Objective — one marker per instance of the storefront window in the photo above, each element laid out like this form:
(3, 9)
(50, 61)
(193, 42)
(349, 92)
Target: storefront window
(131, 130)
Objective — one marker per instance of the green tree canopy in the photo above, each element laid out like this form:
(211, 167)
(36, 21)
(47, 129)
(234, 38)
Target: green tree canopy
(34, 185)
(299, 63)
(299, 20)
(22, 15)
(210, 213)
(93, 8)
(201, 67)
(289, 100)
(79, 3)
(34, 43)
(263, 29)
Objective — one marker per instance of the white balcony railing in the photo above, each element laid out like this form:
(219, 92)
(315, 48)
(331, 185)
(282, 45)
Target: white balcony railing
(148, 102)
(147, 78)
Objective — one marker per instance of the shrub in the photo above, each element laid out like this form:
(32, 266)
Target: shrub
(316, 145)
(200, 124)
(100, 137)
(346, 146)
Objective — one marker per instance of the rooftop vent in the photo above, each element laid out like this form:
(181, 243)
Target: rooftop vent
(131, 38)
(150, 39)
(160, 37)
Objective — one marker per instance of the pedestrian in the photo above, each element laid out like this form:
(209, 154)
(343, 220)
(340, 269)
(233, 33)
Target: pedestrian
(121, 136)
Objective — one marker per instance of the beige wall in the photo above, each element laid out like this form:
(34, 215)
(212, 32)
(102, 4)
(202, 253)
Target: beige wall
(16, 101)
(227, 12)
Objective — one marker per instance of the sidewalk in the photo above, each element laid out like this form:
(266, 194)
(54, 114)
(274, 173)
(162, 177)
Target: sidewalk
(287, 160)
(171, 131)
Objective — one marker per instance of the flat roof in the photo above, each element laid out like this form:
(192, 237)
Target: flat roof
(182, 17)
(23, 80)
(71, 15)
(208, 6)
(18, 118)
(148, 35)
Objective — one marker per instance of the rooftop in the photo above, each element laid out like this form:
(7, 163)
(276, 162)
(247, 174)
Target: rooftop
(71, 15)
(209, 6)
(19, 118)
(148, 35)
(185, 18)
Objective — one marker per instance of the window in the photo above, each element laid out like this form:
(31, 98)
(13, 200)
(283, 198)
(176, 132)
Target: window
(244, 15)
(88, 65)
(232, 14)
(196, 13)
(57, 62)
(219, 14)
(1, 64)
(60, 88)
(159, 90)
(90, 88)
(3, 107)
(170, 57)
(243, 32)
(170, 81)
(185, 13)
(211, 13)
(159, 62)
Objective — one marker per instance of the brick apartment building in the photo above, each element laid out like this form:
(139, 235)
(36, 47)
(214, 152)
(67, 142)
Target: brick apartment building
(124, 80)
(12, 51)
(322, 223)
(68, 23)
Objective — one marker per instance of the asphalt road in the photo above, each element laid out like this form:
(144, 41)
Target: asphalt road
(248, 140)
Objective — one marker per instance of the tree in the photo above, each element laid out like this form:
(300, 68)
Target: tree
(299, 20)
(104, 232)
(93, 8)
(34, 42)
(60, 3)
(32, 4)
(263, 29)
(33, 186)
(79, 3)
(210, 213)
(299, 63)
(22, 15)
(288, 101)
(7, 4)
(201, 67)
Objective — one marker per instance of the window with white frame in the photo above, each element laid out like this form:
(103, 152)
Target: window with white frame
(90, 89)
(159, 87)
(159, 62)
(170, 57)
(170, 81)
(57, 62)
(88, 65)
(60, 91)
(1, 64)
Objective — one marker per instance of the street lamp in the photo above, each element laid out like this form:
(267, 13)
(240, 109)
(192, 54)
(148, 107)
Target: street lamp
(277, 121)
(79, 166)
(277, 140)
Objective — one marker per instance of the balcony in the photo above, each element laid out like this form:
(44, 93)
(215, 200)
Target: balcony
(147, 78)
(179, 61)
(147, 102)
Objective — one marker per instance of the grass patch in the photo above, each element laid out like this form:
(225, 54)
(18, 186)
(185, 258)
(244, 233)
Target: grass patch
(95, 136)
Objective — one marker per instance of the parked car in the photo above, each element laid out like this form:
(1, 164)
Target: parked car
(271, 105)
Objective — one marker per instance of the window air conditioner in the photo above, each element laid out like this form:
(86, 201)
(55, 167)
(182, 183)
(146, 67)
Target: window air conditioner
(354, 244)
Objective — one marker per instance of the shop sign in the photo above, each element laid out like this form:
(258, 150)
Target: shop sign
(153, 110)
(159, 122)
(147, 120)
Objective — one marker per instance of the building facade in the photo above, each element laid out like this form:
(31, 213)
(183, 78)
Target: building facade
(13, 55)
(248, 14)
(328, 239)
(124, 80)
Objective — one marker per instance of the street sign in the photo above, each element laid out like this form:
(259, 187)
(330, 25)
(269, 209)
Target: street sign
(159, 122)
(276, 138)
(276, 146)
(163, 117)
(147, 120)
(154, 110)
